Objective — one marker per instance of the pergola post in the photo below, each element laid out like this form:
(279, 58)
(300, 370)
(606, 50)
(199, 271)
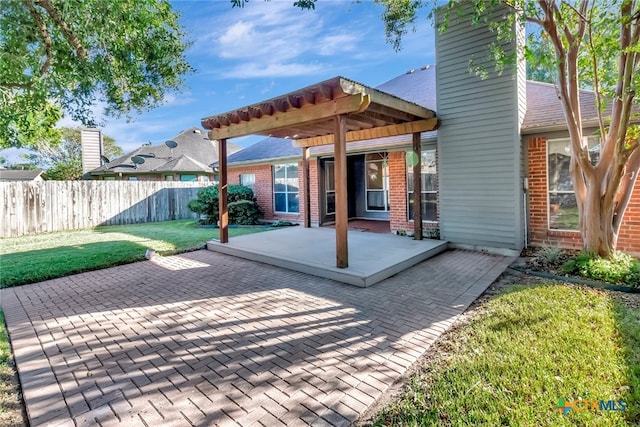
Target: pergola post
(307, 187)
(417, 188)
(222, 191)
(340, 166)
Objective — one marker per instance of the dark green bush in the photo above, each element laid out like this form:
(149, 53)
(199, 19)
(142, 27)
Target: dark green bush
(244, 212)
(243, 207)
(206, 204)
(621, 268)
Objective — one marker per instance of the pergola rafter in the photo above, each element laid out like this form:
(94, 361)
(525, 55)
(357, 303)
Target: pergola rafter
(335, 111)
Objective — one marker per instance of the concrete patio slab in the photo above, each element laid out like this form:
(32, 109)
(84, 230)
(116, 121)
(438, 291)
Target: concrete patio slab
(207, 339)
(372, 257)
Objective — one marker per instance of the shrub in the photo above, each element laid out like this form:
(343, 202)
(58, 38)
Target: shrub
(621, 268)
(244, 212)
(243, 207)
(548, 256)
(206, 204)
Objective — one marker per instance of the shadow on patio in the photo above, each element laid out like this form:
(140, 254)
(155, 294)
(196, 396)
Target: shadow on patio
(211, 339)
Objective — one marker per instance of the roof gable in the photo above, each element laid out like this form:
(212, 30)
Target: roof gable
(19, 174)
(193, 143)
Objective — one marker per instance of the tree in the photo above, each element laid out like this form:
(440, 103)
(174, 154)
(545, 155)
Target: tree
(64, 161)
(592, 44)
(67, 56)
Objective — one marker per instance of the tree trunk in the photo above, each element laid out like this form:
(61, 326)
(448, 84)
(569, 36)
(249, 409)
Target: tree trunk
(603, 204)
(598, 233)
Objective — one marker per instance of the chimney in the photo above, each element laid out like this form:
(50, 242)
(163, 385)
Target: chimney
(91, 140)
(480, 154)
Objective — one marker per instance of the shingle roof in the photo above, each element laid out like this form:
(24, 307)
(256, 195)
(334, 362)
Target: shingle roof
(186, 163)
(19, 175)
(544, 109)
(194, 153)
(268, 148)
(417, 86)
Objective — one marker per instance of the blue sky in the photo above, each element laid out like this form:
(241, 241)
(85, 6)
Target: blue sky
(266, 49)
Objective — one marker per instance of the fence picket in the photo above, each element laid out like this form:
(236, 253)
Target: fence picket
(41, 207)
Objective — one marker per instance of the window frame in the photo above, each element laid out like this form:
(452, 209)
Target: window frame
(423, 191)
(188, 180)
(286, 192)
(329, 178)
(252, 186)
(592, 142)
(385, 182)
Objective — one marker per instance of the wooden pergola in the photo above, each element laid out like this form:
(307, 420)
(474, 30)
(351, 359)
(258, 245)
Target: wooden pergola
(336, 111)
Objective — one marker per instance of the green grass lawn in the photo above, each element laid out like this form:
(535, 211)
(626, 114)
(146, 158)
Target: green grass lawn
(29, 259)
(526, 349)
(10, 404)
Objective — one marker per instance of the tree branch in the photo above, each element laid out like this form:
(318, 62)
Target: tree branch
(46, 37)
(596, 79)
(9, 85)
(535, 21)
(568, 85)
(623, 195)
(81, 52)
(623, 101)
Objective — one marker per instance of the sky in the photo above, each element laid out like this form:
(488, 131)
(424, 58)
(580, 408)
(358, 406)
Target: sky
(266, 49)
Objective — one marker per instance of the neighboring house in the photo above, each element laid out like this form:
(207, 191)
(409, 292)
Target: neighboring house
(20, 175)
(379, 180)
(189, 160)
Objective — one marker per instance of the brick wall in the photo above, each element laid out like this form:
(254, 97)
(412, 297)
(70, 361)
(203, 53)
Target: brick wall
(539, 233)
(398, 215)
(397, 194)
(264, 189)
(314, 178)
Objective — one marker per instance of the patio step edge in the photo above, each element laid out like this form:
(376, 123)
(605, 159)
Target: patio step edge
(348, 276)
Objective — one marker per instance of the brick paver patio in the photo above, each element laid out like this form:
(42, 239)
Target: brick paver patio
(206, 339)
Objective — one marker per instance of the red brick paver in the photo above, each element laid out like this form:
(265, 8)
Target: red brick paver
(207, 339)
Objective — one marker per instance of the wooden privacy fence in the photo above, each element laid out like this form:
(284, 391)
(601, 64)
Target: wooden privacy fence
(41, 207)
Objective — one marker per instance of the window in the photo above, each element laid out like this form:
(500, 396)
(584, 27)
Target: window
(285, 188)
(562, 204)
(330, 188)
(109, 178)
(429, 181)
(248, 180)
(168, 177)
(377, 180)
(133, 178)
(188, 177)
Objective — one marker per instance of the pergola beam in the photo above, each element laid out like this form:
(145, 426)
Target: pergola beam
(373, 133)
(305, 115)
(307, 187)
(340, 177)
(387, 100)
(417, 188)
(223, 210)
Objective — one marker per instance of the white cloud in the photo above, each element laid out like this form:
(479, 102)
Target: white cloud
(269, 39)
(335, 43)
(234, 41)
(274, 70)
(171, 99)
